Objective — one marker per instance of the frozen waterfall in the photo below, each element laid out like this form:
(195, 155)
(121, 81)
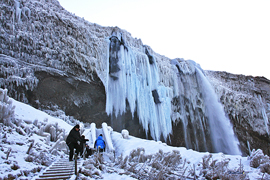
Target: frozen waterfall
(197, 111)
(133, 78)
(222, 135)
(133, 81)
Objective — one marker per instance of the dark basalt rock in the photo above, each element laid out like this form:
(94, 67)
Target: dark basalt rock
(115, 45)
(156, 96)
(83, 101)
(150, 57)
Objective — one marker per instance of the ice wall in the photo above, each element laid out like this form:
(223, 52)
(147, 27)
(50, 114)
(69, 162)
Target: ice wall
(188, 105)
(133, 78)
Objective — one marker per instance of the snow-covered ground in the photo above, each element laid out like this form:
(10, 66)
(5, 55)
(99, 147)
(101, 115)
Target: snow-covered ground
(134, 158)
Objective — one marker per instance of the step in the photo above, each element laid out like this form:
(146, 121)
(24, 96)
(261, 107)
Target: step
(53, 178)
(59, 169)
(55, 172)
(55, 175)
(62, 166)
(62, 169)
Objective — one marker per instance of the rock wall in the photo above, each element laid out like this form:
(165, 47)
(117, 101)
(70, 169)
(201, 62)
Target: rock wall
(246, 100)
(51, 58)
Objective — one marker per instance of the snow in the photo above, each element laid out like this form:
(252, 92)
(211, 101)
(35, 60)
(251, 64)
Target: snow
(28, 113)
(19, 144)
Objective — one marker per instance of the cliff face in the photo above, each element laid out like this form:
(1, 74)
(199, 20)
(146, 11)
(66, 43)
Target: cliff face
(53, 60)
(246, 100)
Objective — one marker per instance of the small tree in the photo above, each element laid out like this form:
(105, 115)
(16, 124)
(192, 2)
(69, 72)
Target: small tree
(6, 108)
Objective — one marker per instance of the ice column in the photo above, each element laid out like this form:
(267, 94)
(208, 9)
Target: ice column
(133, 76)
(265, 118)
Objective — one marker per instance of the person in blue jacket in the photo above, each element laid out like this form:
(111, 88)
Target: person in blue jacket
(100, 144)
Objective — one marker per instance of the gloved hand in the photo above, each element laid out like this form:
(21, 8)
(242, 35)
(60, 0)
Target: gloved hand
(78, 142)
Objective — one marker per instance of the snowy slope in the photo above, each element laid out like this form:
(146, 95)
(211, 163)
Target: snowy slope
(145, 158)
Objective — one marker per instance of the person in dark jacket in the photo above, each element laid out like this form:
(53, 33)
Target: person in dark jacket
(74, 140)
(89, 151)
(100, 144)
(82, 145)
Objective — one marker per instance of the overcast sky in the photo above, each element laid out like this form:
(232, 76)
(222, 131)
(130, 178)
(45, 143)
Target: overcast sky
(220, 35)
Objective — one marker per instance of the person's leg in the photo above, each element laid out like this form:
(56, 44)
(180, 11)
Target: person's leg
(78, 149)
(71, 149)
(82, 148)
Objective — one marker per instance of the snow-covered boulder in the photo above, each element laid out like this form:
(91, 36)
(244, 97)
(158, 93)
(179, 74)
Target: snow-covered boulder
(125, 134)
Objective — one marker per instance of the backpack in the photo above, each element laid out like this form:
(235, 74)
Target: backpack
(100, 143)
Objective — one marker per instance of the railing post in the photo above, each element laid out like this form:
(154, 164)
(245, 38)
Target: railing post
(76, 165)
(84, 151)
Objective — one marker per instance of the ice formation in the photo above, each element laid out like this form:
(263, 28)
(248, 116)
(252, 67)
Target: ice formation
(133, 79)
(264, 115)
(107, 137)
(6, 107)
(133, 76)
(159, 90)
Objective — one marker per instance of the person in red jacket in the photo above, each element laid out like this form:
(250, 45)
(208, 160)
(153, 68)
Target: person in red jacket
(74, 140)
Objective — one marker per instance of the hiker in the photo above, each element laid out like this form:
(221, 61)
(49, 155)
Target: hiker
(82, 145)
(100, 144)
(74, 140)
(89, 151)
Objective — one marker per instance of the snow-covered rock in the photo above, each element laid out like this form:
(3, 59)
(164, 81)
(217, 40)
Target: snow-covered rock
(246, 100)
(125, 134)
(57, 61)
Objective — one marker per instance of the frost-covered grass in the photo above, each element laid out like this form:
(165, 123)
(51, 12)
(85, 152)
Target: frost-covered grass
(27, 149)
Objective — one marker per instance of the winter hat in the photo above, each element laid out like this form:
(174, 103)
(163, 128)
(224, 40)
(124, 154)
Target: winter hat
(77, 126)
(100, 135)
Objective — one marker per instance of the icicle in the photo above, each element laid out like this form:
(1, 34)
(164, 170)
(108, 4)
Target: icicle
(134, 77)
(265, 118)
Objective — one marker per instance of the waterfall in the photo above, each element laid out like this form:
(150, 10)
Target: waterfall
(222, 135)
(202, 117)
(133, 80)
